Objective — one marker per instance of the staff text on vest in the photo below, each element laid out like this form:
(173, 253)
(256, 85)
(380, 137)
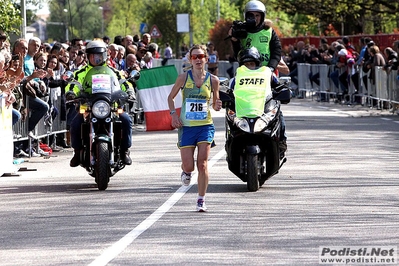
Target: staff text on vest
(254, 81)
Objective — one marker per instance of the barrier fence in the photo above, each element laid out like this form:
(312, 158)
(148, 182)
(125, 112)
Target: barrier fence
(379, 92)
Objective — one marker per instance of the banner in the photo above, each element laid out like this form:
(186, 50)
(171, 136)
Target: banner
(154, 87)
(6, 144)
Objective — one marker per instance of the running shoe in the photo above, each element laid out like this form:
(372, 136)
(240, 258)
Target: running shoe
(185, 178)
(201, 206)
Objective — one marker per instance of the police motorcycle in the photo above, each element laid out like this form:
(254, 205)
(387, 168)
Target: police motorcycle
(102, 128)
(253, 123)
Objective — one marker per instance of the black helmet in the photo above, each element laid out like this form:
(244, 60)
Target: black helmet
(249, 55)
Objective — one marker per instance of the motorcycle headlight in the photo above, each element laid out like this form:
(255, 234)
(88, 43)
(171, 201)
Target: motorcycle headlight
(242, 124)
(101, 109)
(260, 124)
(267, 117)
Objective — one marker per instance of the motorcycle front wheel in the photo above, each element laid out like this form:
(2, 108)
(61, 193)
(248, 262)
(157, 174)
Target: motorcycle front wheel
(252, 172)
(102, 165)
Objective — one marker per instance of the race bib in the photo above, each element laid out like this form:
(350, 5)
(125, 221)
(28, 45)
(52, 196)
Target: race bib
(101, 83)
(196, 109)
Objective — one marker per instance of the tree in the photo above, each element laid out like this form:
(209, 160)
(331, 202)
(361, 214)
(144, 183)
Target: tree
(10, 14)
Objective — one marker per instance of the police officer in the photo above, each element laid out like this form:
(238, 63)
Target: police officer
(97, 56)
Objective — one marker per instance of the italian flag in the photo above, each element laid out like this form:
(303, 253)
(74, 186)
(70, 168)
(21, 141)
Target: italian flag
(154, 87)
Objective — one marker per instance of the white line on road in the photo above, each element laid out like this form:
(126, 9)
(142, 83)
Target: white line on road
(113, 251)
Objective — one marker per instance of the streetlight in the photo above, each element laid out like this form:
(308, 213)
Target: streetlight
(66, 27)
(102, 20)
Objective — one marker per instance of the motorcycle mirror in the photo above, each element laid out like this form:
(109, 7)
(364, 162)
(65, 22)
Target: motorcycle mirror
(224, 97)
(68, 76)
(134, 75)
(283, 95)
(223, 84)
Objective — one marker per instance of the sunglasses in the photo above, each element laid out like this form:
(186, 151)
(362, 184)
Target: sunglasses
(197, 56)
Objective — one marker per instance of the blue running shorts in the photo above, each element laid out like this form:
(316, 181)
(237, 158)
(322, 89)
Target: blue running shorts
(191, 136)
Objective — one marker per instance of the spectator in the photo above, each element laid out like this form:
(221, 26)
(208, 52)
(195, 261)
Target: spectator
(128, 40)
(73, 53)
(118, 40)
(77, 42)
(167, 54)
(146, 61)
(113, 53)
(80, 61)
(378, 60)
(131, 49)
(131, 64)
(395, 46)
(297, 57)
(37, 107)
(9, 80)
(213, 59)
(120, 58)
(392, 59)
(106, 39)
(183, 50)
(141, 51)
(153, 49)
(145, 40)
(136, 39)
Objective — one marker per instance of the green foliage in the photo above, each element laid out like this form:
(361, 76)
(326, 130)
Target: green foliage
(126, 17)
(10, 17)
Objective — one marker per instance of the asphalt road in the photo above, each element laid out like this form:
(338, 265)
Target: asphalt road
(339, 187)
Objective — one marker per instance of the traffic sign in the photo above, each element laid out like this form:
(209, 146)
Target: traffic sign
(143, 28)
(155, 32)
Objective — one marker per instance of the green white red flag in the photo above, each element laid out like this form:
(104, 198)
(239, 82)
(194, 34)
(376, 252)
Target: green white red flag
(154, 87)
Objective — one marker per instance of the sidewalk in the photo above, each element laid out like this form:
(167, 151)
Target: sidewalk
(355, 110)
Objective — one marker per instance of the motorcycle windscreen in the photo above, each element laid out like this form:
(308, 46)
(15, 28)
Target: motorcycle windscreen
(250, 91)
(101, 79)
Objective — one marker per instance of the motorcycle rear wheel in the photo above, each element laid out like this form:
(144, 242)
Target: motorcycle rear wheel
(252, 173)
(102, 166)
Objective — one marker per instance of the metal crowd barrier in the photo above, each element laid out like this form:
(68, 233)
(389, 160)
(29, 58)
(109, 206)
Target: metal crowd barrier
(42, 129)
(381, 93)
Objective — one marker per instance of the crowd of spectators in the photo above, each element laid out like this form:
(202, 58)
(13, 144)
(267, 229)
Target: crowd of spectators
(32, 76)
(347, 61)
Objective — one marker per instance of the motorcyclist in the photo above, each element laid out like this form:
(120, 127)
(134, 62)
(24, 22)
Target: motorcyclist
(256, 33)
(97, 56)
(249, 60)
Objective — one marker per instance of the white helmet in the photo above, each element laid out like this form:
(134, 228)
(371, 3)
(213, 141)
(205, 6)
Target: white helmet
(255, 6)
(97, 47)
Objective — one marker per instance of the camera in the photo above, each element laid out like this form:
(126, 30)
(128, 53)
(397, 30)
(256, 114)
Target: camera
(240, 28)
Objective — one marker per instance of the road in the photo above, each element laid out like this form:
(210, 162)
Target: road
(339, 187)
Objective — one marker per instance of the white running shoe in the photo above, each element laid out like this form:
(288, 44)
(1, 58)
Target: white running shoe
(201, 206)
(185, 178)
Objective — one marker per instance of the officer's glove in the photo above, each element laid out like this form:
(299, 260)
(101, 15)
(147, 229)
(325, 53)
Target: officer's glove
(70, 95)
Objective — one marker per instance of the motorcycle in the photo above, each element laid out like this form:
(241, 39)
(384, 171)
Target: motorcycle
(102, 128)
(252, 143)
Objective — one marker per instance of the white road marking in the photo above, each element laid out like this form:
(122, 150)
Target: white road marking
(113, 251)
